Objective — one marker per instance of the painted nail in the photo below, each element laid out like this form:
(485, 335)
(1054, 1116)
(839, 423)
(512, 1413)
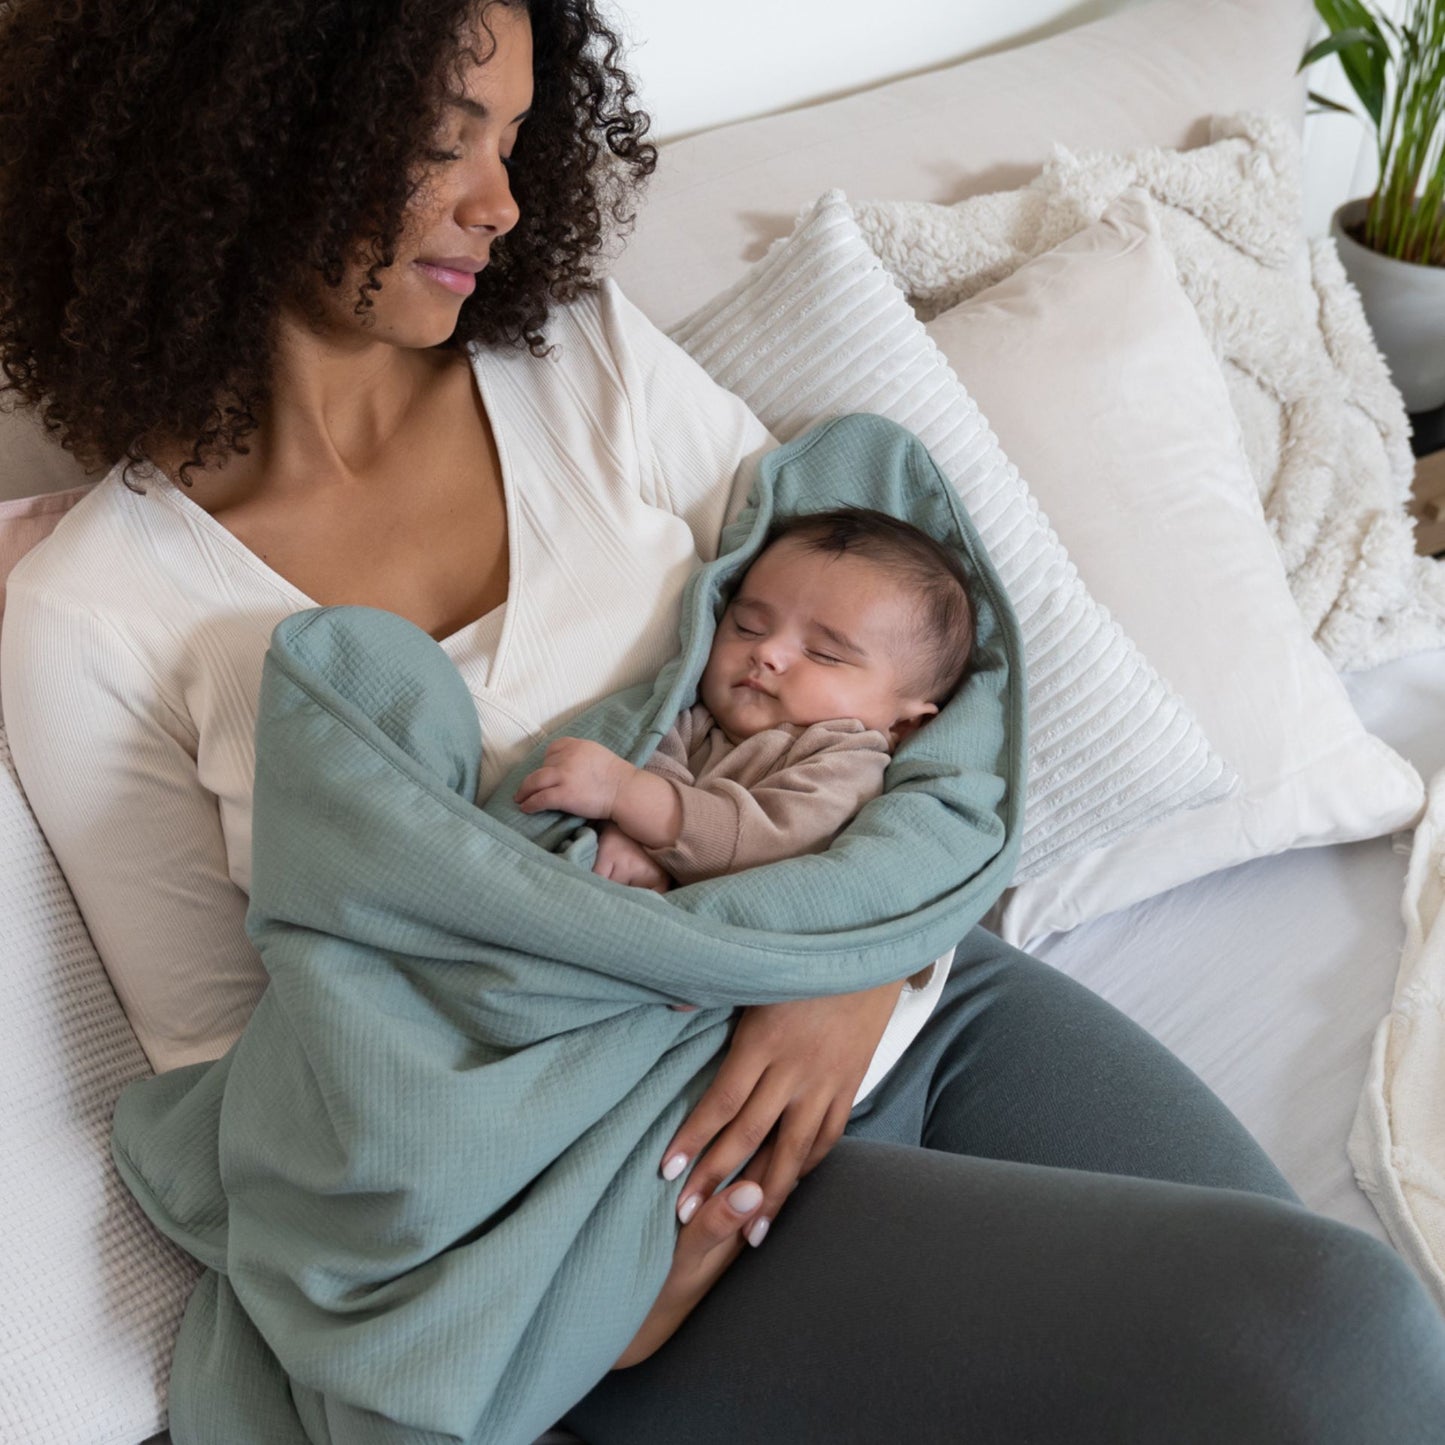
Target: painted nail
(688, 1207)
(757, 1232)
(674, 1166)
(746, 1197)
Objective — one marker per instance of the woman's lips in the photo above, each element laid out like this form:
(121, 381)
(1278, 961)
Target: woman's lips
(452, 277)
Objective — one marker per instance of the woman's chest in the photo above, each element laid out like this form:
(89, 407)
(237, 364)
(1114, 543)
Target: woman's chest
(422, 532)
(594, 583)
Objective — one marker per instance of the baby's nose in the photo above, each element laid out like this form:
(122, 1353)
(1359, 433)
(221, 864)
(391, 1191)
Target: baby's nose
(769, 653)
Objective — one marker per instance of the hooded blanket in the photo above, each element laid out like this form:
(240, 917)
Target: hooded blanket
(425, 1181)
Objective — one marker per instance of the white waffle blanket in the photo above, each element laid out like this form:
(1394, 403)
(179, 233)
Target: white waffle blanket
(1397, 1144)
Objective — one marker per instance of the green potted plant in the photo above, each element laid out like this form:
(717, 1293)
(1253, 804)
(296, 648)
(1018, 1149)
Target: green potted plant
(1392, 244)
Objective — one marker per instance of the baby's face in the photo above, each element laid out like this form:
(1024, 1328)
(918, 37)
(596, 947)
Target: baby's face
(812, 636)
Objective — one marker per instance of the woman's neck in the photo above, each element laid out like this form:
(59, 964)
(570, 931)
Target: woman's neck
(338, 401)
(337, 404)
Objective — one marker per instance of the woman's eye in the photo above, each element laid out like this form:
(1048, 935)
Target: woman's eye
(440, 157)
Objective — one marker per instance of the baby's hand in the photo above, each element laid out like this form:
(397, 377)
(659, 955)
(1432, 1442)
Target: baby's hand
(576, 776)
(625, 861)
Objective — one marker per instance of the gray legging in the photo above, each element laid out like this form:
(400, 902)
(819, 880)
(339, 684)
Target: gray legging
(1088, 1247)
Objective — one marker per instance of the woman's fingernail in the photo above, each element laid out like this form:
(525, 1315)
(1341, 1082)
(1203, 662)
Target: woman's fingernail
(746, 1197)
(757, 1232)
(688, 1207)
(674, 1166)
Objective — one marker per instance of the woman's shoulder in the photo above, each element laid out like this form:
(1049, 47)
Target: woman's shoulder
(109, 536)
(123, 556)
(600, 326)
(78, 554)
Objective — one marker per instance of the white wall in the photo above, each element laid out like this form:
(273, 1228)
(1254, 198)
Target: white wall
(700, 64)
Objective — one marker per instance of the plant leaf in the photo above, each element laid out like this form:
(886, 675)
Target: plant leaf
(1349, 15)
(1365, 56)
(1325, 103)
(1333, 44)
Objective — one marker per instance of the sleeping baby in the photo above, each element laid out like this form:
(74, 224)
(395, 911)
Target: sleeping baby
(846, 634)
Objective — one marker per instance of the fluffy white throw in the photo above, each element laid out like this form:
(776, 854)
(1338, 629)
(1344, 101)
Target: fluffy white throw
(1323, 425)
(1397, 1144)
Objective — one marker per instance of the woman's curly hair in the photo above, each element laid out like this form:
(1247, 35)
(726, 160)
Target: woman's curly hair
(172, 171)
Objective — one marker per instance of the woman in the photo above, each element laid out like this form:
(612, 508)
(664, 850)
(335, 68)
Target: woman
(246, 249)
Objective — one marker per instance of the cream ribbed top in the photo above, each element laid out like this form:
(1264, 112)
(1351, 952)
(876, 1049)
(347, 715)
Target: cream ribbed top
(134, 638)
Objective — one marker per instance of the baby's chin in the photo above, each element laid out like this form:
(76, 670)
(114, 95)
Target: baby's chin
(739, 730)
(740, 721)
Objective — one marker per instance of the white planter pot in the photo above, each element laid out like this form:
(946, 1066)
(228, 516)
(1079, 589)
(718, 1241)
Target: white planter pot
(1405, 304)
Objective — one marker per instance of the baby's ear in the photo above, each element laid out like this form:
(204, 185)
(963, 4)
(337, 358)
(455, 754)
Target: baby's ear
(909, 721)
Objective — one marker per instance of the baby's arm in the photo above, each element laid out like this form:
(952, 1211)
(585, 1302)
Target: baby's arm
(585, 778)
(827, 776)
(627, 862)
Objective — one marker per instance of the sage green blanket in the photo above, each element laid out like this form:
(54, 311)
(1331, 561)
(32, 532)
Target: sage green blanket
(425, 1180)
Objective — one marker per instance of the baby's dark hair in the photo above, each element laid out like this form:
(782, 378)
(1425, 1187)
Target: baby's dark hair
(933, 574)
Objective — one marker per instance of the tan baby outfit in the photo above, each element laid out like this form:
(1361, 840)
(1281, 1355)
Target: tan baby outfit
(782, 792)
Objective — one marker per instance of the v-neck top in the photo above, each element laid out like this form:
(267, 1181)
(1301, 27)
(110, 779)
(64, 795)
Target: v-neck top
(134, 638)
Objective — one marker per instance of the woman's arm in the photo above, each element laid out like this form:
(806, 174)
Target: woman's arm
(107, 759)
(783, 1096)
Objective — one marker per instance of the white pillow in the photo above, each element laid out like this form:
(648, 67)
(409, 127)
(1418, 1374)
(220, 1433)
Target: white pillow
(93, 1295)
(818, 329)
(1091, 364)
(1324, 427)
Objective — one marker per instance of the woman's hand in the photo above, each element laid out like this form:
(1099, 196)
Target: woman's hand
(706, 1245)
(783, 1096)
(788, 1082)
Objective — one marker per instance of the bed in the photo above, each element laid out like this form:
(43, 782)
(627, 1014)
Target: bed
(1265, 958)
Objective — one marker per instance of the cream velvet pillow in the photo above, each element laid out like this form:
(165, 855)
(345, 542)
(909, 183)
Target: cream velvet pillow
(818, 329)
(1092, 367)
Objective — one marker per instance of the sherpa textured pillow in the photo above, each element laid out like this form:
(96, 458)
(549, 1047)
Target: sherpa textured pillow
(817, 329)
(1092, 366)
(1324, 428)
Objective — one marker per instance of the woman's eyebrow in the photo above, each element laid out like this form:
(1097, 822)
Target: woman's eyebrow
(478, 111)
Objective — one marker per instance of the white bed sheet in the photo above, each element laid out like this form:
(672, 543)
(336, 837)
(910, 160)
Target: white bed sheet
(1269, 979)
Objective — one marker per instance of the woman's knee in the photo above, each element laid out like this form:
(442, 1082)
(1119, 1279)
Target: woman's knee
(1328, 1337)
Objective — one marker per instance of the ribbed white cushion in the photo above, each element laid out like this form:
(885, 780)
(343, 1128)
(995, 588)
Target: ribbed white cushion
(817, 329)
(90, 1294)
